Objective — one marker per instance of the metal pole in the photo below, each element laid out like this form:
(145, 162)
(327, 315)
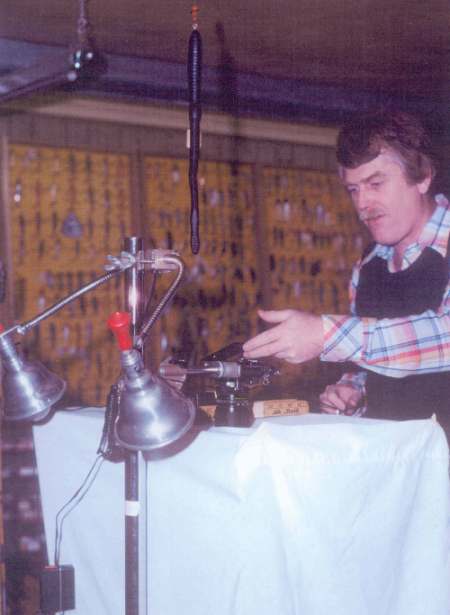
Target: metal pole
(131, 533)
(134, 285)
(134, 301)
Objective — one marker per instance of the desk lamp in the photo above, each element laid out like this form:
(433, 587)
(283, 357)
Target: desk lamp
(29, 388)
(151, 414)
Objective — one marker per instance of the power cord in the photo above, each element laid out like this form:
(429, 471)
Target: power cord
(58, 581)
(69, 506)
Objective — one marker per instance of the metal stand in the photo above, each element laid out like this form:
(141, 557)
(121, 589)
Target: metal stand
(135, 305)
(137, 403)
(131, 533)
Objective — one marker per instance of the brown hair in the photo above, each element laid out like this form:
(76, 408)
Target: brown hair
(364, 138)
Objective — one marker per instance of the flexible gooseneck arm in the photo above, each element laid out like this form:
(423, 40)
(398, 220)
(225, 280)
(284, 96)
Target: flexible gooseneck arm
(172, 261)
(24, 327)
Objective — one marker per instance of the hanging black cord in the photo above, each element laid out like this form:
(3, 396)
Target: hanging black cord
(195, 114)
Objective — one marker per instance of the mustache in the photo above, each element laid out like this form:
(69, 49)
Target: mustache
(364, 216)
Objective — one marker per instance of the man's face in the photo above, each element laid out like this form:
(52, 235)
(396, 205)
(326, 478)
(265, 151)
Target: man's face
(393, 209)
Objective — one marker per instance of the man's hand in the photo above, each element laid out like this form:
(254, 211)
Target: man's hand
(297, 337)
(340, 399)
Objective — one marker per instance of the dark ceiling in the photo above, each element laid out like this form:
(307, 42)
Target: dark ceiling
(317, 58)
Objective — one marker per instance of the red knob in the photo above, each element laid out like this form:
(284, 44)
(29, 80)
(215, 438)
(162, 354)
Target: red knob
(119, 323)
(2, 328)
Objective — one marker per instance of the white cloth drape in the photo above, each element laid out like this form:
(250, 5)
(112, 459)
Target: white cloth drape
(313, 515)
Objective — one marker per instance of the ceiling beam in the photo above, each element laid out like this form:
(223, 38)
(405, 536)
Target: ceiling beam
(130, 78)
(212, 123)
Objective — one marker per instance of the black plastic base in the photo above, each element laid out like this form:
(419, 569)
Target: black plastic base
(57, 589)
(236, 413)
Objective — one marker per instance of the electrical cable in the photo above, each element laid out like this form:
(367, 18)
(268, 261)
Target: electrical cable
(76, 498)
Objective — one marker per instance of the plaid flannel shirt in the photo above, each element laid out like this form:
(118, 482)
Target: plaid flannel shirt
(395, 347)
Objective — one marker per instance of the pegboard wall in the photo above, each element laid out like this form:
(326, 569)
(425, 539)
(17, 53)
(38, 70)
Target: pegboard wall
(272, 235)
(314, 238)
(68, 209)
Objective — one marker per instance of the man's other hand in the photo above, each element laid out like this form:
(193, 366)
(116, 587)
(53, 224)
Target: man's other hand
(297, 337)
(340, 399)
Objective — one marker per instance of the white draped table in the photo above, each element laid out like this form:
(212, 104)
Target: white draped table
(311, 515)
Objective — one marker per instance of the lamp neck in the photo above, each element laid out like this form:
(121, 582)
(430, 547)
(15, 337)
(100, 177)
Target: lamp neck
(132, 364)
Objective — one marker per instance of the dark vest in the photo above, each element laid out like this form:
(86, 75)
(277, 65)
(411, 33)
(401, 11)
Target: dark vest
(381, 294)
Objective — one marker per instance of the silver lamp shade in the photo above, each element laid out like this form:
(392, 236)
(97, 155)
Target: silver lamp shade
(152, 414)
(29, 389)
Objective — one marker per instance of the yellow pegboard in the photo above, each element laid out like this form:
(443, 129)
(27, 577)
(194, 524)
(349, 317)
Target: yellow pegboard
(68, 209)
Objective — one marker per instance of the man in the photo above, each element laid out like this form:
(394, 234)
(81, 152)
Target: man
(398, 332)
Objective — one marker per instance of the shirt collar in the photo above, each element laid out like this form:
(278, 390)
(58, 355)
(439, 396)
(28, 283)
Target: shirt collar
(434, 234)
